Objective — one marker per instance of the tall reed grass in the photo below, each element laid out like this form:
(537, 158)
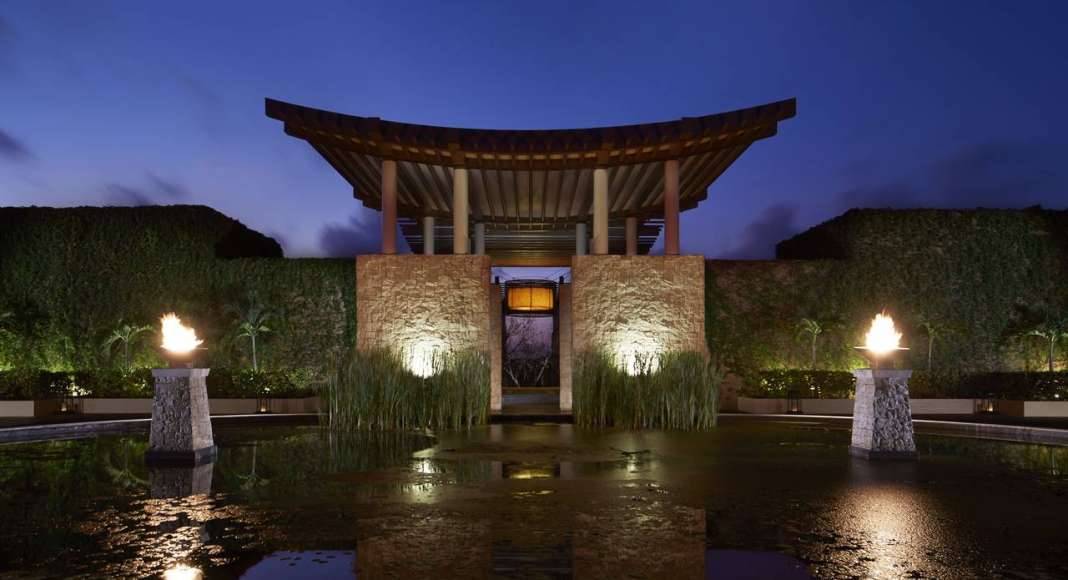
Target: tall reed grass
(373, 390)
(675, 390)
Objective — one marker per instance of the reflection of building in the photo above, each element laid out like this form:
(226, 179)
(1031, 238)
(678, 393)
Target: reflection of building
(559, 198)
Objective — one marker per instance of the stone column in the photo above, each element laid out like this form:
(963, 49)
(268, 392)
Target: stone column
(600, 211)
(181, 422)
(632, 236)
(671, 207)
(428, 235)
(882, 415)
(565, 355)
(480, 239)
(581, 238)
(389, 206)
(460, 240)
(496, 347)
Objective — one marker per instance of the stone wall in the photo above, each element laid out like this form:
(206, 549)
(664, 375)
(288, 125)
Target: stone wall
(423, 303)
(637, 306)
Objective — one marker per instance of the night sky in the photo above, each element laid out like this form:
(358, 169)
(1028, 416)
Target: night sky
(933, 104)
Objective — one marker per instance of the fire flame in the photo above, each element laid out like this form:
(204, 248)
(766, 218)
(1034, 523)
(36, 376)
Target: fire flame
(177, 337)
(882, 338)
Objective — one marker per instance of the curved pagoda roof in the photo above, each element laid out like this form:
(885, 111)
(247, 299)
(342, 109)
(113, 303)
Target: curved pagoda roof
(534, 180)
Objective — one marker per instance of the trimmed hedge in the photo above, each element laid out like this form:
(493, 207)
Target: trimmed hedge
(805, 384)
(25, 384)
(68, 276)
(975, 274)
(1027, 386)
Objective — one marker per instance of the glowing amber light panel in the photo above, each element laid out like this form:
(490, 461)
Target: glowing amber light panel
(530, 299)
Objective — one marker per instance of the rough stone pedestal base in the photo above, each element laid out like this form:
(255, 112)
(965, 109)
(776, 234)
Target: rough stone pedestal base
(882, 415)
(181, 422)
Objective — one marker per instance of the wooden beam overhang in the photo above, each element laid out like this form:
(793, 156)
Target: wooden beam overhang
(540, 180)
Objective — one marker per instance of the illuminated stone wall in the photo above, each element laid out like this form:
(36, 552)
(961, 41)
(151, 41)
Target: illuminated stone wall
(637, 306)
(421, 304)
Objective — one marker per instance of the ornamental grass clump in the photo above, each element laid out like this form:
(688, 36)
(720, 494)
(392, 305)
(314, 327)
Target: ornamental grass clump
(374, 390)
(675, 390)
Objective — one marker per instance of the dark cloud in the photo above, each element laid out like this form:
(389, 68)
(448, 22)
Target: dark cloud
(13, 149)
(282, 240)
(157, 190)
(777, 222)
(345, 241)
(1006, 175)
(168, 189)
(120, 194)
(117, 194)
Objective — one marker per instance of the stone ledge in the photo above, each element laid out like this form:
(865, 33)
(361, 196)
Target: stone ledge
(181, 458)
(882, 455)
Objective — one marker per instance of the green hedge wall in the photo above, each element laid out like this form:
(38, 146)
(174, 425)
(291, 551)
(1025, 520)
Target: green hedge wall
(976, 274)
(69, 275)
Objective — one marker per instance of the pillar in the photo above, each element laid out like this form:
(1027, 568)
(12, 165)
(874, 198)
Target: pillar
(460, 240)
(180, 430)
(882, 415)
(389, 206)
(496, 347)
(480, 239)
(632, 236)
(581, 237)
(671, 207)
(428, 235)
(600, 211)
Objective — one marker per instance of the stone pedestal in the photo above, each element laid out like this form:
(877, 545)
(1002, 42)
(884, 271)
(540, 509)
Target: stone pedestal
(882, 415)
(181, 422)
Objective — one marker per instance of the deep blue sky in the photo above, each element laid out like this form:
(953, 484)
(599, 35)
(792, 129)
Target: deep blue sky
(944, 104)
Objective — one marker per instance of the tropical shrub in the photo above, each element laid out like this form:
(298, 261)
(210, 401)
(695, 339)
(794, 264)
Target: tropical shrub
(1023, 386)
(805, 384)
(23, 384)
(374, 390)
(676, 390)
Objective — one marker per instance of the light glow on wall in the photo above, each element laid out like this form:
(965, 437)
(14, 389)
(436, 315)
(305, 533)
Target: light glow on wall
(637, 353)
(422, 357)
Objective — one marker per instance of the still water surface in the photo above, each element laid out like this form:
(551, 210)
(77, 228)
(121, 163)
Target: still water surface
(751, 499)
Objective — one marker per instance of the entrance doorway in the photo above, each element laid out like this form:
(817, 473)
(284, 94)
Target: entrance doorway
(530, 346)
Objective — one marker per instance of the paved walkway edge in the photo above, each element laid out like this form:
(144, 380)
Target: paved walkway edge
(1016, 433)
(29, 433)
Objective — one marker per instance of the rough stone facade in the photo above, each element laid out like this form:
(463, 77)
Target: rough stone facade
(882, 415)
(423, 303)
(638, 305)
(181, 422)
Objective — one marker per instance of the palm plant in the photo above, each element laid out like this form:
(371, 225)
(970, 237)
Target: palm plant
(932, 328)
(813, 329)
(1051, 330)
(125, 334)
(252, 319)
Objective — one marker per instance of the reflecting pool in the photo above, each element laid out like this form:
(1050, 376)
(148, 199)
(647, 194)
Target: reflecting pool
(752, 499)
